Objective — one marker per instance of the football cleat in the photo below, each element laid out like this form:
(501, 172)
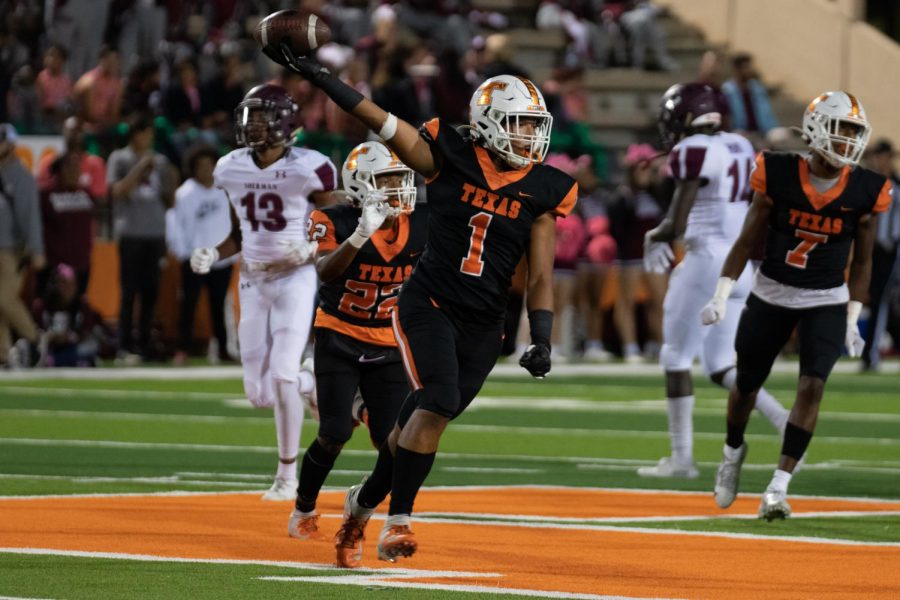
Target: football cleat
(669, 469)
(348, 541)
(774, 505)
(304, 526)
(728, 478)
(395, 541)
(282, 489)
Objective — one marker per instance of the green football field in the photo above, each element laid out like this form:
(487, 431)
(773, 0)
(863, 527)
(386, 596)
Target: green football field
(123, 437)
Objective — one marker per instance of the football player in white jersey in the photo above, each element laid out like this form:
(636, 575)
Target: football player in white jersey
(273, 187)
(711, 169)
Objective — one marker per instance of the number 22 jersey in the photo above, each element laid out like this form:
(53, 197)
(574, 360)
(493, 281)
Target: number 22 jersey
(480, 223)
(273, 203)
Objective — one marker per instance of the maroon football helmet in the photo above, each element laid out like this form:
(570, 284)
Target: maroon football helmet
(265, 117)
(686, 106)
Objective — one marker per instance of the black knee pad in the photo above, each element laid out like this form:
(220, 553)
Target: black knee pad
(441, 398)
(750, 380)
(335, 431)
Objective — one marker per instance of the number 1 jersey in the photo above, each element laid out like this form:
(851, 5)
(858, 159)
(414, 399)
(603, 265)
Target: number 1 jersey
(273, 203)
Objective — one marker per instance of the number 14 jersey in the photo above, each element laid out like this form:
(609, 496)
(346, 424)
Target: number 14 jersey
(273, 203)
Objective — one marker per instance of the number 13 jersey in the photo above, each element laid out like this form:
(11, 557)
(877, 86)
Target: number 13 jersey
(273, 203)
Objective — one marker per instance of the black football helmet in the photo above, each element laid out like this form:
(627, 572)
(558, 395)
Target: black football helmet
(686, 106)
(267, 116)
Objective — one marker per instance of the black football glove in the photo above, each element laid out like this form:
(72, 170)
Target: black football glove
(306, 66)
(536, 360)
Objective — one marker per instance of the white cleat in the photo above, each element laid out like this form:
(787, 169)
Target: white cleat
(774, 505)
(667, 468)
(728, 478)
(282, 489)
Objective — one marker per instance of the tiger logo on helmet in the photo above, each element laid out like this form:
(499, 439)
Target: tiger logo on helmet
(500, 113)
(370, 160)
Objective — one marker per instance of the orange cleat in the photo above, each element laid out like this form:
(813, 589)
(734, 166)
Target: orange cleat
(304, 527)
(396, 540)
(348, 542)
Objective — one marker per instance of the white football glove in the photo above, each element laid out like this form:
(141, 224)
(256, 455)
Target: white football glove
(714, 311)
(853, 341)
(374, 211)
(298, 252)
(202, 259)
(658, 256)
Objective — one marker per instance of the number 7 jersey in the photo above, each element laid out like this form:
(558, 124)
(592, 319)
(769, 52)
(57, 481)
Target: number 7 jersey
(273, 203)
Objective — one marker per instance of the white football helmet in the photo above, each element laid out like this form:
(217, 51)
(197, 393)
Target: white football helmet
(494, 113)
(822, 123)
(374, 158)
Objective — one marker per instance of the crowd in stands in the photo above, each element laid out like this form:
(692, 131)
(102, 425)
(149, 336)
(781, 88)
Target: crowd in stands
(143, 92)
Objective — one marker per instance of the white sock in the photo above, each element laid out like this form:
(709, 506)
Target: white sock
(288, 421)
(772, 409)
(594, 345)
(780, 481)
(681, 428)
(766, 403)
(631, 350)
(397, 520)
(731, 454)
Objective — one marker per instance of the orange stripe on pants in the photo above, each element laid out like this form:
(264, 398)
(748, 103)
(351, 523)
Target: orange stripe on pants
(403, 344)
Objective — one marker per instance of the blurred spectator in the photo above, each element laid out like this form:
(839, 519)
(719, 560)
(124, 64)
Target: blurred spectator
(141, 93)
(78, 25)
(399, 93)
(442, 22)
(748, 100)
(593, 266)
(885, 266)
(20, 240)
(201, 218)
(98, 93)
(221, 94)
(498, 58)
(141, 25)
(92, 175)
(67, 213)
(141, 184)
(54, 88)
(24, 105)
(75, 332)
(634, 211)
(710, 73)
(640, 21)
(181, 98)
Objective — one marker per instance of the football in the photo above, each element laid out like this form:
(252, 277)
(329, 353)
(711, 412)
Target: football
(302, 32)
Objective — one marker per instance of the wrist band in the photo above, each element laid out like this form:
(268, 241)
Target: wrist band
(357, 239)
(723, 287)
(854, 307)
(389, 128)
(346, 97)
(541, 324)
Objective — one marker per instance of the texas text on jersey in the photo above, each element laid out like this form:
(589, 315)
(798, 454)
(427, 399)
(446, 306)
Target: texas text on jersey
(810, 234)
(358, 302)
(722, 162)
(273, 203)
(470, 271)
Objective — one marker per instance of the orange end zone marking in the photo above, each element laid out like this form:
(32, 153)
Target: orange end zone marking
(240, 526)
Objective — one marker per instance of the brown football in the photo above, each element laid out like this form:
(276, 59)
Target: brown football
(302, 32)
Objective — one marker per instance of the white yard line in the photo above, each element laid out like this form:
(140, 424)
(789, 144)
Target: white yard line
(21, 390)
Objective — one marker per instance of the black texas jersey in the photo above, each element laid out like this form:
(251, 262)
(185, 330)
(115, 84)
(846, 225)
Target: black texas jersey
(810, 234)
(365, 293)
(480, 223)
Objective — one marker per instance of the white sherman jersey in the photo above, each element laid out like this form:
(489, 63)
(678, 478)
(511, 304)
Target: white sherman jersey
(722, 162)
(273, 203)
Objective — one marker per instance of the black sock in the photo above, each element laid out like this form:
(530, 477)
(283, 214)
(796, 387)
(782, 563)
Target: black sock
(317, 463)
(796, 441)
(410, 470)
(378, 485)
(734, 436)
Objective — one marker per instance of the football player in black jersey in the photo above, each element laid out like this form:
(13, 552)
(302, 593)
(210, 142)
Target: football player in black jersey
(366, 250)
(491, 202)
(813, 211)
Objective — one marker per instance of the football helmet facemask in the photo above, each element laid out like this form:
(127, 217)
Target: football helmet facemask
(266, 117)
(364, 164)
(823, 121)
(500, 109)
